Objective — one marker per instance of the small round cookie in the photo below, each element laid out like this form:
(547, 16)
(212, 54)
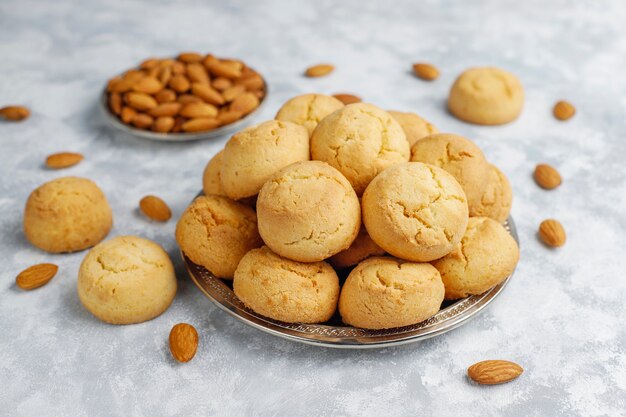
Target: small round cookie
(458, 156)
(362, 248)
(414, 126)
(497, 198)
(308, 109)
(286, 290)
(66, 215)
(211, 183)
(382, 293)
(308, 212)
(415, 211)
(216, 232)
(253, 155)
(486, 96)
(126, 280)
(360, 140)
(486, 255)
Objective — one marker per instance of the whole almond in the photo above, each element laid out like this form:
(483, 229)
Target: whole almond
(178, 68)
(207, 93)
(245, 103)
(194, 110)
(165, 96)
(547, 177)
(165, 75)
(200, 124)
(63, 160)
(233, 92)
(221, 83)
(115, 103)
(564, 110)
(155, 208)
(112, 83)
(36, 276)
(165, 109)
(493, 372)
(229, 117)
(252, 82)
(179, 83)
(142, 121)
(189, 98)
(347, 98)
(133, 75)
(14, 113)
(127, 114)
(140, 101)
(149, 63)
(197, 73)
(183, 342)
(552, 233)
(426, 72)
(122, 86)
(163, 124)
(319, 70)
(188, 57)
(227, 69)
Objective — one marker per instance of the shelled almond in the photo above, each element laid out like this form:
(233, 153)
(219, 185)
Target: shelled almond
(191, 93)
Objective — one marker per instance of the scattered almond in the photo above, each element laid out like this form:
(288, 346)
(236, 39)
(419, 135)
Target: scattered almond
(155, 208)
(426, 72)
(183, 342)
(547, 177)
(14, 113)
(319, 70)
(36, 276)
(564, 110)
(493, 372)
(63, 160)
(347, 98)
(552, 233)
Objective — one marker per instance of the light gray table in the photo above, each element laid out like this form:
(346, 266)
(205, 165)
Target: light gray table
(562, 316)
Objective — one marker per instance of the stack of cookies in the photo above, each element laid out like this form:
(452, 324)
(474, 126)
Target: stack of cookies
(409, 215)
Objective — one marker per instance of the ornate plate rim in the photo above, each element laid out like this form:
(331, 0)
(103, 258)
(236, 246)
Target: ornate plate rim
(314, 334)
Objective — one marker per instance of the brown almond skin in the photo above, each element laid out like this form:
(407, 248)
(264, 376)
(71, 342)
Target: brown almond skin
(547, 176)
(494, 372)
(183, 342)
(564, 110)
(320, 70)
(140, 101)
(165, 109)
(229, 117)
(552, 233)
(36, 276)
(112, 83)
(14, 113)
(233, 92)
(200, 124)
(197, 74)
(127, 115)
(148, 85)
(142, 121)
(226, 69)
(155, 208)
(165, 75)
(163, 124)
(179, 83)
(63, 160)
(252, 82)
(149, 63)
(426, 72)
(207, 93)
(115, 103)
(189, 57)
(189, 98)
(133, 75)
(122, 86)
(245, 103)
(194, 110)
(221, 83)
(165, 96)
(347, 98)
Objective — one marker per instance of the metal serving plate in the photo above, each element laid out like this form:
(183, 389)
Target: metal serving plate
(334, 333)
(115, 122)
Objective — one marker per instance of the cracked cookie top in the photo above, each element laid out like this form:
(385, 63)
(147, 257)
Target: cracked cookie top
(415, 211)
(497, 199)
(308, 109)
(211, 182)
(360, 140)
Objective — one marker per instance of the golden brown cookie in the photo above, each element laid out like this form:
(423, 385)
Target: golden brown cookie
(382, 293)
(497, 198)
(308, 109)
(415, 211)
(460, 157)
(286, 290)
(362, 248)
(486, 96)
(66, 215)
(126, 280)
(211, 183)
(308, 212)
(360, 140)
(216, 232)
(254, 154)
(486, 255)
(413, 125)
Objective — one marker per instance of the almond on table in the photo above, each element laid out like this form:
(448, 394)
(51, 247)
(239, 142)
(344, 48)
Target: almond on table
(547, 177)
(493, 372)
(347, 98)
(426, 72)
(552, 233)
(564, 110)
(36, 276)
(183, 342)
(63, 160)
(319, 70)
(14, 113)
(155, 208)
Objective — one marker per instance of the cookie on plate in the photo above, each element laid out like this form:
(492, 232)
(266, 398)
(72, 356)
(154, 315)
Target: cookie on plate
(308, 109)
(362, 248)
(413, 125)
(497, 199)
(211, 183)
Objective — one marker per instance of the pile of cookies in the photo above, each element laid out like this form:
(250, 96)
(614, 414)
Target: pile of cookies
(410, 215)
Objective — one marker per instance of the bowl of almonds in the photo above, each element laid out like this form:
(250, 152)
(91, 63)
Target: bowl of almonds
(189, 97)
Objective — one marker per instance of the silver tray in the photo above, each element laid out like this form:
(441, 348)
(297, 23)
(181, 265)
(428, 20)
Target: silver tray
(336, 334)
(115, 122)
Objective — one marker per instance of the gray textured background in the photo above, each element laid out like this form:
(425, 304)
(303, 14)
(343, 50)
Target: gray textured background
(561, 317)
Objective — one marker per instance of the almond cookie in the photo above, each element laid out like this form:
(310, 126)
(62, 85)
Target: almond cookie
(211, 183)
(362, 248)
(460, 157)
(126, 280)
(382, 293)
(497, 198)
(216, 232)
(415, 211)
(414, 126)
(486, 255)
(360, 140)
(66, 215)
(253, 155)
(308, 109)
(308, 212)
(486, 96)
(286, 290)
